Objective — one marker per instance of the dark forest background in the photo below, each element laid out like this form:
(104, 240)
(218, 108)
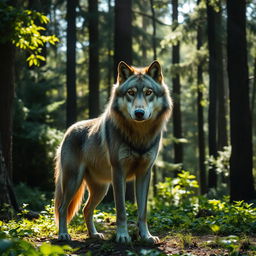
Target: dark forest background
(207, 49)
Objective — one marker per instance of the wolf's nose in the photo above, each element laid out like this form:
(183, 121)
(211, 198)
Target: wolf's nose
(139, 113)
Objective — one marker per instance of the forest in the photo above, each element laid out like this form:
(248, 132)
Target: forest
(58, 64)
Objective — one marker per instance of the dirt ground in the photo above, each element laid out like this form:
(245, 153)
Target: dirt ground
(169, 245)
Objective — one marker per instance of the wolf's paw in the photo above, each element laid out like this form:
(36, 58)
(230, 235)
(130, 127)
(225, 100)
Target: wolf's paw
(97, 235)
(64, 237)
(151, 239)
(123, 238)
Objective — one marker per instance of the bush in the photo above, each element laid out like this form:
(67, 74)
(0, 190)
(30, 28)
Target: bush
(176, 207)
(33, 197)
(34, 146)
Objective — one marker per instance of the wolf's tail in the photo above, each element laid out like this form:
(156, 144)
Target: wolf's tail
(58, 197)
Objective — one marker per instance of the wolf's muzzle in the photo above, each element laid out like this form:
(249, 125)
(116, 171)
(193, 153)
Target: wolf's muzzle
(139, 114)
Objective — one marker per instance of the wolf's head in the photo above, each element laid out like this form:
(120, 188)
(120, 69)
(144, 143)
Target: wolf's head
(140, 94)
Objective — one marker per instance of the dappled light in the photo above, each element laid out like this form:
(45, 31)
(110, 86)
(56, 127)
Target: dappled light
(128, 127)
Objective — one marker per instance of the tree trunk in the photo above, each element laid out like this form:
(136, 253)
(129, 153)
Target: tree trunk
(144, 27)
(6, 102)
(154, 29)
(123, 33)
(253, 97)
(110, 59)
(94, 104)
(200, 117)
(123, 51)
(212, 115)
(222, 109)
(241, 178)
(7, 196)
(71, 106)
(177, 125)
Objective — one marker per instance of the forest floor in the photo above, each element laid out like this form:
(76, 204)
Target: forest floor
(187, 226)
(171, 244)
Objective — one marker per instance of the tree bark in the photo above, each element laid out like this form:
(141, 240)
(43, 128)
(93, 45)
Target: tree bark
(5, 200)
(144, 27)
(154, 29)
(177, 123)
(241, 177)
(71, 107)
(123, 33)
(110, 58)
(200, 116)
(94, 104)
(6, 101)
(253, 97)
(222, 109)
(212, 115)
(7, 196)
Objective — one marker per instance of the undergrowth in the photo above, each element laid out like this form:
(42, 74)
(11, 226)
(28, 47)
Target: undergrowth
(176, 209)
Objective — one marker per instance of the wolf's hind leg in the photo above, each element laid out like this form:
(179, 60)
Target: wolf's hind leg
(73, 190)
(96, 194)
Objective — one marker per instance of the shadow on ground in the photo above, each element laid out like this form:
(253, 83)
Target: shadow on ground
(110, 247)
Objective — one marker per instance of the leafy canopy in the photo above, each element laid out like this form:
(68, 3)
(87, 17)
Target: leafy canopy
(25, 29)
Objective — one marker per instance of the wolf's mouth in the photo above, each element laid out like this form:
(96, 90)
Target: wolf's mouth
(140, 119)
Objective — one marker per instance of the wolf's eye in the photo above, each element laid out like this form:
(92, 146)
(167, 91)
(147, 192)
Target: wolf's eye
(148, 92)
(131, 92)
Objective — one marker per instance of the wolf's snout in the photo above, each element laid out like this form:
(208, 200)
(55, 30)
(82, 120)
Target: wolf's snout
(139, 113)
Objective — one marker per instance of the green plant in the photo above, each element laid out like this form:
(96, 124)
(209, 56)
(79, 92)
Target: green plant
(33, 197)
(177, 190)
(186, 240)
(18, 247)
(21, 28)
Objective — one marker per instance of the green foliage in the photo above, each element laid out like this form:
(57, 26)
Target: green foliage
(222, 161)
(34, 197)
(184, 214)
(18, 247)
(20, 228)
(175, 191)
(222, 166)
(38, 142)
(21, 28)
(185, 240)
(150, 252)
(176, 207)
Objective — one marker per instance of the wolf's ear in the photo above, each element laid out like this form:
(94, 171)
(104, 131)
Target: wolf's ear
(155, 71)
(124, 71)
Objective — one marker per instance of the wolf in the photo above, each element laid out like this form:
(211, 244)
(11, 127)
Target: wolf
(121, 144)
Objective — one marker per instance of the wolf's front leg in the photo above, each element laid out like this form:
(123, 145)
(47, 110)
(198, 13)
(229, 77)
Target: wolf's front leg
(119, 194)
(142, 185)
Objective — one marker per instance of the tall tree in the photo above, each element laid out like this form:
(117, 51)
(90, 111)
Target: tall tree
(94, 104)
(110, 40)
(123, 33)
(177, 124)
(6, 124)
(241, 178)
(212, 115)
(6, 101)
(144, 27)
(154, 29)
(123, 50)
(200, 114)
(71, 106)
(7, 90)
(222, 137)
